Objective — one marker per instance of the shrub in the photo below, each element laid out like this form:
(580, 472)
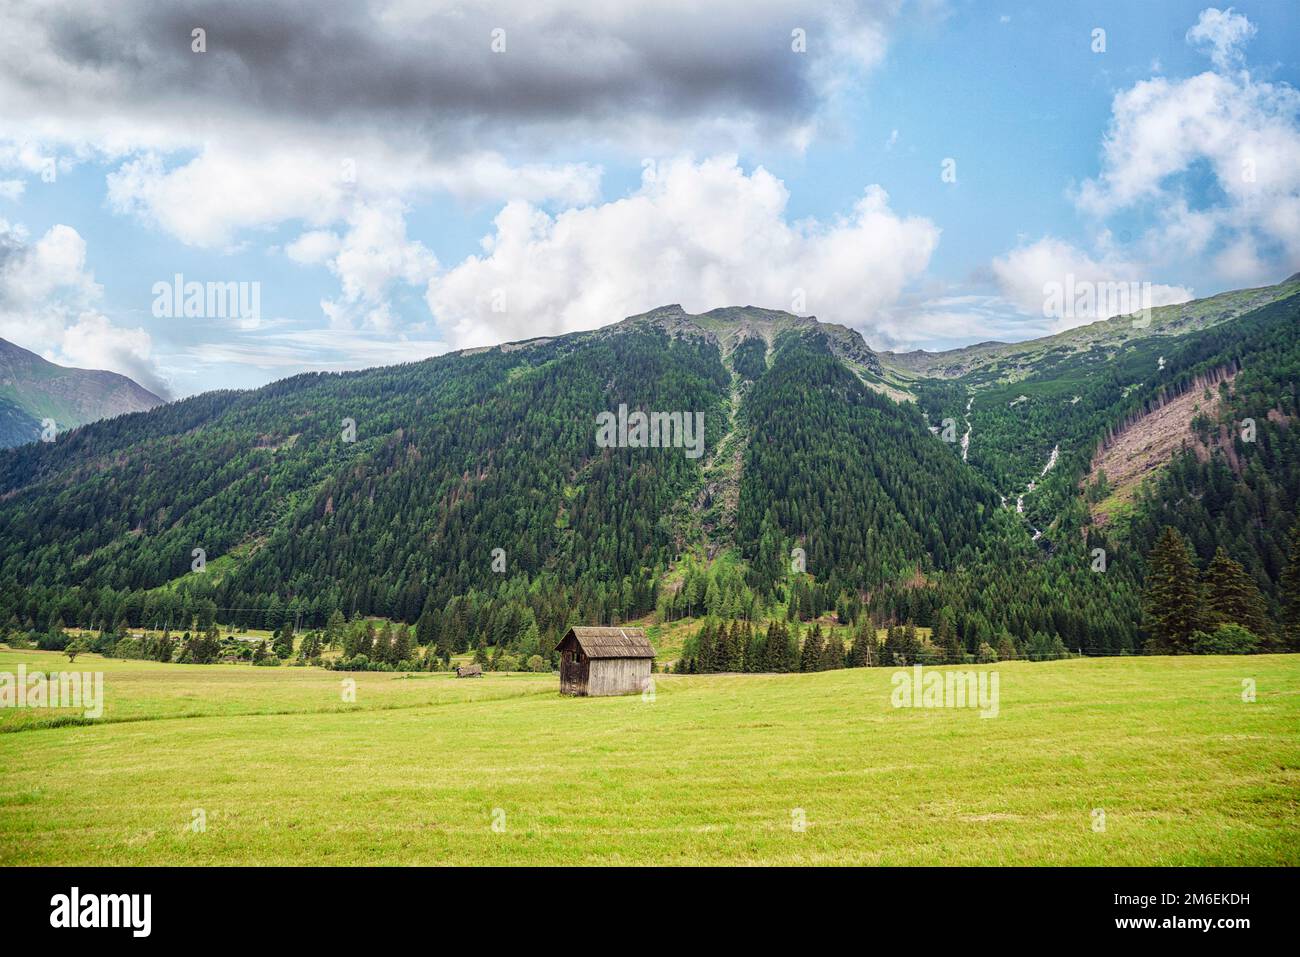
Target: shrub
(1227, 639)
(55, 640)
(986, 655)
(537, 663)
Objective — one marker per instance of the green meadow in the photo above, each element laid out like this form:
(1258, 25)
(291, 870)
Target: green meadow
(1090, 761)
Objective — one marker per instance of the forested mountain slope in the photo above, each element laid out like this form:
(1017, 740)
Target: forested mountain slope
(470, 494)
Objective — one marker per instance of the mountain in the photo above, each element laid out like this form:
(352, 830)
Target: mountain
(33, 390)
(1010, 361)
(473, 494)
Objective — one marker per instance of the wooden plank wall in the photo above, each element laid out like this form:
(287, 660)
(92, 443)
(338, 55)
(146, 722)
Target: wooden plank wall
(611, 676)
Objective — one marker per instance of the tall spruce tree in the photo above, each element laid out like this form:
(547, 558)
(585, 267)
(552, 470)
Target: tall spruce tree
(1171, 601)
(1289, 592)
(863, 652)
(811, 658)
(833, 653)
(1232, 596)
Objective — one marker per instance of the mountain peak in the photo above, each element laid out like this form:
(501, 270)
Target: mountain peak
(729, 326)
(33, 389)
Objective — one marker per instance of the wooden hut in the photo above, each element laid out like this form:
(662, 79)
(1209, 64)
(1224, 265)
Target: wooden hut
(469, 671)
(604, 661)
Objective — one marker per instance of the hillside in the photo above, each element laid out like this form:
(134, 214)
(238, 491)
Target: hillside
(469, 493)
(33, 390)
(1142, 446)
(1011, 362)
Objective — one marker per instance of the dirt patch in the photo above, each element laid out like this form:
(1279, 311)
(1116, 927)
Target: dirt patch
(1143, 448)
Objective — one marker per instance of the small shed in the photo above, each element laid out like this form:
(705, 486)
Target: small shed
(469, 671)
(604, 661)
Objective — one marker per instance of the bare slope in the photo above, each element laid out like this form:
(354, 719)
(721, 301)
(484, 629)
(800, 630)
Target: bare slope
(1142, 447)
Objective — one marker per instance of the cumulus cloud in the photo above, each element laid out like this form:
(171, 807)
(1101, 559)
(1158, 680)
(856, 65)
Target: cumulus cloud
(703, 233)
(1031, 274)
(369, 258)
(49, 303)
(1225, 34)
(1244, 132)
(253, 183)
(321, 115)
(254, 130)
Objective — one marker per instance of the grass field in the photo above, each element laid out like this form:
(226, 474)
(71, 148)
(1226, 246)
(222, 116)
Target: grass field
(711, 771)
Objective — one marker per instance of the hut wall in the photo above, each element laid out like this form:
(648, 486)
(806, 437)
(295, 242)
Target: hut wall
(573, 673)
(610, 676)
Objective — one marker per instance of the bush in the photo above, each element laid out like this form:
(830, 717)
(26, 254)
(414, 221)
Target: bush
(270, 661)
(986, 655)
(537, 663)
(52, 641)
(1227, 639)
(128, 648)
(507, 663)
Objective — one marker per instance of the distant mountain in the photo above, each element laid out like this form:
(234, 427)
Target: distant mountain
(1008, 362)
(33, 390)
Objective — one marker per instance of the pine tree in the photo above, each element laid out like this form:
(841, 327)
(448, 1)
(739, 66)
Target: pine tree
(1289, 592)
(425, 629)
(704, 654)
(946, 638)
(863, 653)
(334, 629)
(1233, 597)
(401, 644)
(833, 653)
(1172, 604)
(736, 647)
(811, 658)
(773, 653)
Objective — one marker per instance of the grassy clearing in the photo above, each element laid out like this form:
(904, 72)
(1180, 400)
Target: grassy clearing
(710, 771)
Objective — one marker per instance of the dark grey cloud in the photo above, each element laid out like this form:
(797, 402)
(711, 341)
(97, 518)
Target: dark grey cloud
(353, 63)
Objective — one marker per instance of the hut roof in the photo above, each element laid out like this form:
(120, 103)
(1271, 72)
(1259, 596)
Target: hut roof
(612, 642)
(474, 669)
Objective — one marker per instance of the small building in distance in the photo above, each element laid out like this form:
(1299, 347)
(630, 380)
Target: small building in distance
(604, 661)
(469, 671)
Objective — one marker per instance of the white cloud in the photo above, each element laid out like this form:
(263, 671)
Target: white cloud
(231, 187)
(1245, 133)
(370, 258)
(705, 234)
(49, 303)
(1224, 32)
(1024, 274)
(253, 132)
(313, 247)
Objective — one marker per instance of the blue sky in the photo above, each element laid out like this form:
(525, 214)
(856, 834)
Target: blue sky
(619, 162)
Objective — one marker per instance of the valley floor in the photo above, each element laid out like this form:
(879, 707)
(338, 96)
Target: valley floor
(1093, 761)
